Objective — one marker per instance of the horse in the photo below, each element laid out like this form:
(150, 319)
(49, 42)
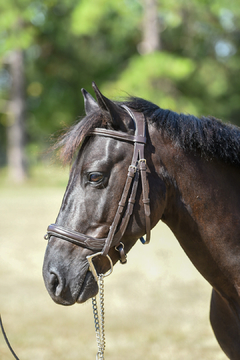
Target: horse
(132, 165)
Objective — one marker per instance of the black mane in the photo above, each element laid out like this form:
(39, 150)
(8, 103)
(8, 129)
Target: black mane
(207, 136)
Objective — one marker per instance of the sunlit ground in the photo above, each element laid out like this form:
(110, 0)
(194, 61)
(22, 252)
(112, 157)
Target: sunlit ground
(156, 306)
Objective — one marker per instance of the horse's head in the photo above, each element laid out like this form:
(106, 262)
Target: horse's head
(100, 189)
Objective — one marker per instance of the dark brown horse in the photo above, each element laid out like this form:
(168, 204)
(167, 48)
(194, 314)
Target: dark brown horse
(193, 184)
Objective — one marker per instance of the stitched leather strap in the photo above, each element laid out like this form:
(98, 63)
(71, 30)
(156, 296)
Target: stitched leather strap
(138, 165)
(75, 237)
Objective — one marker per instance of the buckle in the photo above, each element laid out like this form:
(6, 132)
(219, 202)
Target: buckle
(132, 167)
(123, 256)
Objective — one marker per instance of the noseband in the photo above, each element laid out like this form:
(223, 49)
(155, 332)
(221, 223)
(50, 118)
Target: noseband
(137, 167)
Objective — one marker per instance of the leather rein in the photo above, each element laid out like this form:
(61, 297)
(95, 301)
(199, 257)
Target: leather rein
(136, 169)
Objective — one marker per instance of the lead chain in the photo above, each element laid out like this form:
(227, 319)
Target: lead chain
(99, 327)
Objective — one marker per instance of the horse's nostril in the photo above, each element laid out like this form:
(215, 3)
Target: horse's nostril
(54, 280)
(56, 284)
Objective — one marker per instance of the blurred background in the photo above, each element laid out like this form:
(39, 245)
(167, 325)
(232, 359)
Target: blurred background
(181, 55)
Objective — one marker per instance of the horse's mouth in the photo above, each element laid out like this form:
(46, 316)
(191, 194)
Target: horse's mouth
(88, 289)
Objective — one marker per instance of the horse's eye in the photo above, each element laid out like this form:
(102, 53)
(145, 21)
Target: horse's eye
(95, 177)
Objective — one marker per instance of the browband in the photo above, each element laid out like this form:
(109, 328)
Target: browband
(118, 135)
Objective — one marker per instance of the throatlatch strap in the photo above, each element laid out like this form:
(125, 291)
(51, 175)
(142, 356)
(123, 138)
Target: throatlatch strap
(140, 130)
(146, 200)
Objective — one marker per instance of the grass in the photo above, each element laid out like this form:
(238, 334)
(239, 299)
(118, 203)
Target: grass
(156, 306)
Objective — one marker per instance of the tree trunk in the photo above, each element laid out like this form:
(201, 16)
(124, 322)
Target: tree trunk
(151, 28)
(16, 119)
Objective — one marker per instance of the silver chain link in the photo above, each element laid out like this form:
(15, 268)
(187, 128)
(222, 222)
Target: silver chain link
(99, 327)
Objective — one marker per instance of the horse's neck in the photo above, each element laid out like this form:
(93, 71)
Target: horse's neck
(201, 214)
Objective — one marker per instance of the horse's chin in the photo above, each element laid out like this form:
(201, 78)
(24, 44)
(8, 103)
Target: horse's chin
(89, 288)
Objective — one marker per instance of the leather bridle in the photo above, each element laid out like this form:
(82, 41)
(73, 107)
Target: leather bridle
(137, 168)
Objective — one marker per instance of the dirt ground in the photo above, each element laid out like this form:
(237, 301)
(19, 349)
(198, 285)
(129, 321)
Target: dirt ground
(157, 306)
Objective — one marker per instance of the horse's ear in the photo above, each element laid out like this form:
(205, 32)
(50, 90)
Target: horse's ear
(89, 103)
(118, 115)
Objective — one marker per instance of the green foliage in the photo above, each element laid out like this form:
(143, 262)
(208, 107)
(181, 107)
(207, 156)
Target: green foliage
(16, 29)
(90, 15)
(160, 74)
(70, 43)
(196, 70)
